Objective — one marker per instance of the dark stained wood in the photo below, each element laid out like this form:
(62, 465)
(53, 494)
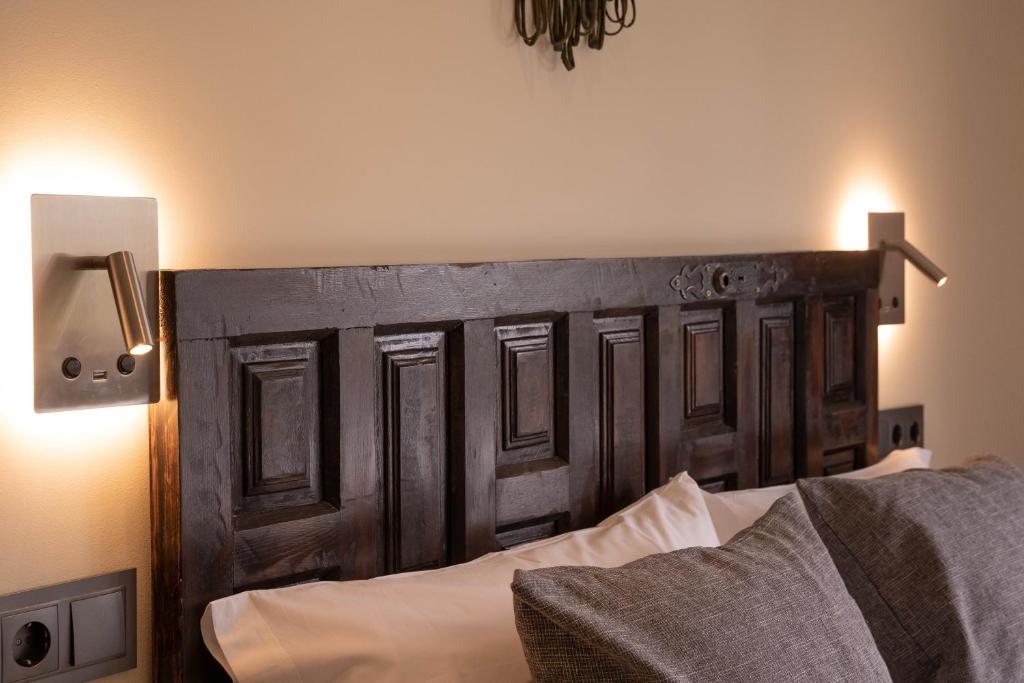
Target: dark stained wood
(867, 332)
(663, 372)
(703, 341)
(362, 465)
(341, 423)
(810, 386)
(413, 395)
(841, 461)
(776, 397)
(276, 300)
(578, 353)
(840, 349)
(276, 434)
(474, 424)
(622, 410)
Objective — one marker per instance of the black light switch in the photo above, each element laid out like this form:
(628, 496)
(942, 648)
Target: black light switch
(97, 628)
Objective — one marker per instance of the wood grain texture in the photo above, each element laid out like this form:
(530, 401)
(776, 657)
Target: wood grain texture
(342, 423)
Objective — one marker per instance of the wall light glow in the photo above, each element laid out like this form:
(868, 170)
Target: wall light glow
(63, 171)
(861, 199)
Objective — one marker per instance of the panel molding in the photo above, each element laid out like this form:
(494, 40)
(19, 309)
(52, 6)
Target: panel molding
(622, 411)
(703, 348)
(840, 349)
(527, 362)
(776, 397)
(414, 400)
(276, 444)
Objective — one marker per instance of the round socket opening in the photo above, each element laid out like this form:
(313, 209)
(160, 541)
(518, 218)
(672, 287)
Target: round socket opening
(31, 644)
(897, 435)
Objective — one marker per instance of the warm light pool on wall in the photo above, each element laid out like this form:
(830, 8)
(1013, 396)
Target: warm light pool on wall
(94, 285)
(886, 233)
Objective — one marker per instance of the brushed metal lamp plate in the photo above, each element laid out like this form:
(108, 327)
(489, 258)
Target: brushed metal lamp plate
(74, 311)
(891, 289)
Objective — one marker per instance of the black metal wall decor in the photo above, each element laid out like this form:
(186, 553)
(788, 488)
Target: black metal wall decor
(566, 22)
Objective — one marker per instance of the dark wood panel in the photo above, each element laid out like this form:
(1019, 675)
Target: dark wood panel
(276, 431)
(840, 349)
(348, 422)
(841, 461)
(295, 548)
(845, 426)
(534, 530)
(533, 495)
(527, 363)
(414, 402)
(622, 409)
(777, 455)
(703, 342)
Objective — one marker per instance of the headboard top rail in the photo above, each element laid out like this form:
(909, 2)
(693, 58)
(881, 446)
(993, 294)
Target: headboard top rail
(278, 300)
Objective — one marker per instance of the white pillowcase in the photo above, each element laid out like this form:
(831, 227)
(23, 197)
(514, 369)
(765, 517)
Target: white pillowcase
(733, 511)
(450, 624)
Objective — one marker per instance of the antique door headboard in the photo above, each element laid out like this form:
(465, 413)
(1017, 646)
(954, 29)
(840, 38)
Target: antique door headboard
(349, 422)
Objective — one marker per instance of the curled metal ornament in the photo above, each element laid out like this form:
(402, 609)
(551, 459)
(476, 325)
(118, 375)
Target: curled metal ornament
(567, 22)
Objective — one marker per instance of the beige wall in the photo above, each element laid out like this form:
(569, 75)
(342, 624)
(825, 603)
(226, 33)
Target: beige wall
(334, 132)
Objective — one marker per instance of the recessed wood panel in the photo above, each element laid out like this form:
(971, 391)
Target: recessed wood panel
(703, 349)
(841, 461)
(622, 409)
(840, 349)
(534, 530)
(527, 367)
(776, 398)
(277, 404)
(414, 423)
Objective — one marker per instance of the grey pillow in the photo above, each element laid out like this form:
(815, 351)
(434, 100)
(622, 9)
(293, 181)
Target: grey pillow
(767, 606)
(935, 559)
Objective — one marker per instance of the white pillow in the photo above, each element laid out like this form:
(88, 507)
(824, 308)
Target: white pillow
(733, 511)
(451, 624)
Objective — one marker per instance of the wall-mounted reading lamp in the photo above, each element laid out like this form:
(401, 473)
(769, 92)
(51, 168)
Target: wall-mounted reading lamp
(886, 233)
(93, 313)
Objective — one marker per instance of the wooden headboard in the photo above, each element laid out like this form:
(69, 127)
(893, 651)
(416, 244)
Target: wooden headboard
(349, 422)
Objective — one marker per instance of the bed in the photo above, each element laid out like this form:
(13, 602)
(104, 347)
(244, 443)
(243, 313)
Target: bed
(345, 423)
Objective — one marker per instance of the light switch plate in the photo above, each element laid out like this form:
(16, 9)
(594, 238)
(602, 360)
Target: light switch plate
(891, 289)
(74, 312)
(91, 625)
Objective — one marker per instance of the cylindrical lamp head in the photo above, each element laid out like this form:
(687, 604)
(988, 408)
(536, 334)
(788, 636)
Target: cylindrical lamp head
(130, 302)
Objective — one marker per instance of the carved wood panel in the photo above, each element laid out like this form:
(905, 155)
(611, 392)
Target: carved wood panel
(527, 361)
(414, 399)
(276, 411)
(703, 348)
(776, 364)
(840, 349)
(622, 409)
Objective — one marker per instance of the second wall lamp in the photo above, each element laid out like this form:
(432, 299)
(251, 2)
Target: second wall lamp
(886, 233)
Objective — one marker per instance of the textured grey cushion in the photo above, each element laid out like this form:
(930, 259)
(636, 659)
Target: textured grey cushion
(768, 606)
(935, 559)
